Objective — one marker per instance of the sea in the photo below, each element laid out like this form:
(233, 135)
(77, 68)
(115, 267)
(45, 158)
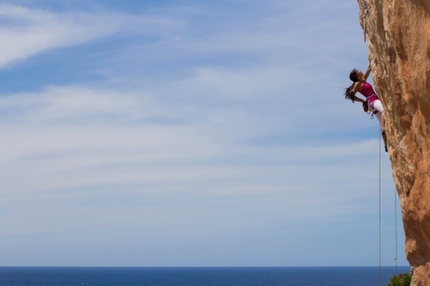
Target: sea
(198, 276)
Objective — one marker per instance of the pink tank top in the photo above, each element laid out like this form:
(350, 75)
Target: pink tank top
(368, 92)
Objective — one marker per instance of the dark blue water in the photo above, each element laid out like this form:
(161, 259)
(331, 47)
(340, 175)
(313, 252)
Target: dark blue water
(191, 276)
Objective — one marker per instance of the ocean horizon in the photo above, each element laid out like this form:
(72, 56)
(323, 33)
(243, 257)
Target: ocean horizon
(199, 276)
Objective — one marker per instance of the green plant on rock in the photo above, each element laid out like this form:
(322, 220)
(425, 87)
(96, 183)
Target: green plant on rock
(400, 280)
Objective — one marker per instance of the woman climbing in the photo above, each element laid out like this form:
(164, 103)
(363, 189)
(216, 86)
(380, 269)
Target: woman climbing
(371, 102)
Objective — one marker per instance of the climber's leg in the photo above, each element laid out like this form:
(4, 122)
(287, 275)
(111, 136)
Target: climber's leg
(379, 113)
(384, 137)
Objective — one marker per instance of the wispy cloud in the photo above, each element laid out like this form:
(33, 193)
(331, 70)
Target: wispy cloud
(85, 138)
(25, 32)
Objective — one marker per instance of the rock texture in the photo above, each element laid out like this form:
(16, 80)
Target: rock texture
(398, 36)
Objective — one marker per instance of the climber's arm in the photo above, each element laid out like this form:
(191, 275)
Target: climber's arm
(356, 88)
(356, 98)
(367, 73)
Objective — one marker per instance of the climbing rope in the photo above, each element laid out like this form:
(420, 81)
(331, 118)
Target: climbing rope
(380, 218)
(380, 213)
(395, 226)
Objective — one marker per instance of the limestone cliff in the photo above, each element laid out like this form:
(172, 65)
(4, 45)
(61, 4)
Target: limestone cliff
(398, 36)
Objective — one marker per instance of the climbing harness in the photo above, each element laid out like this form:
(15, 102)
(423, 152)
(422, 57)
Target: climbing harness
(368, 109)
(365, 106)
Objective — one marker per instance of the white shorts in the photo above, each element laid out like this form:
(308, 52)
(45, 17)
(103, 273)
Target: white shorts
(376, 105)
(377, 108)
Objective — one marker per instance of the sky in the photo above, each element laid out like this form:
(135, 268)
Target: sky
(189, 133)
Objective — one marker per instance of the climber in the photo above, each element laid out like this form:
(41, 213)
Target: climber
(372, 102)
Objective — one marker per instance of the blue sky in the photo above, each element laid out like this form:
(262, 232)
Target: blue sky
(188, 133)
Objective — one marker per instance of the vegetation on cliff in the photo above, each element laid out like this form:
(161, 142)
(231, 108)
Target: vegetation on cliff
(400, 280)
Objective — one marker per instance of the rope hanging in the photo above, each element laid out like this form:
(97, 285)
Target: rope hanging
(365, 11)
(380, 217)
(395, 225)
(380, 214)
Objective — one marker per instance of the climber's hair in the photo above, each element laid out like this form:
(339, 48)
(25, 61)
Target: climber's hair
(354, 75)
(349, 94)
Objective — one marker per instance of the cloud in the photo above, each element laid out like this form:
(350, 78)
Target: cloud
(84, 138)
(25, 32)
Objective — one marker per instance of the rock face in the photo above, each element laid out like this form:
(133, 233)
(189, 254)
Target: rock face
(398, 35)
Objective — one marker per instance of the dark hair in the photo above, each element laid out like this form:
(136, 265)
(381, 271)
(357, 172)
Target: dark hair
(353, 75)
(349, 94)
